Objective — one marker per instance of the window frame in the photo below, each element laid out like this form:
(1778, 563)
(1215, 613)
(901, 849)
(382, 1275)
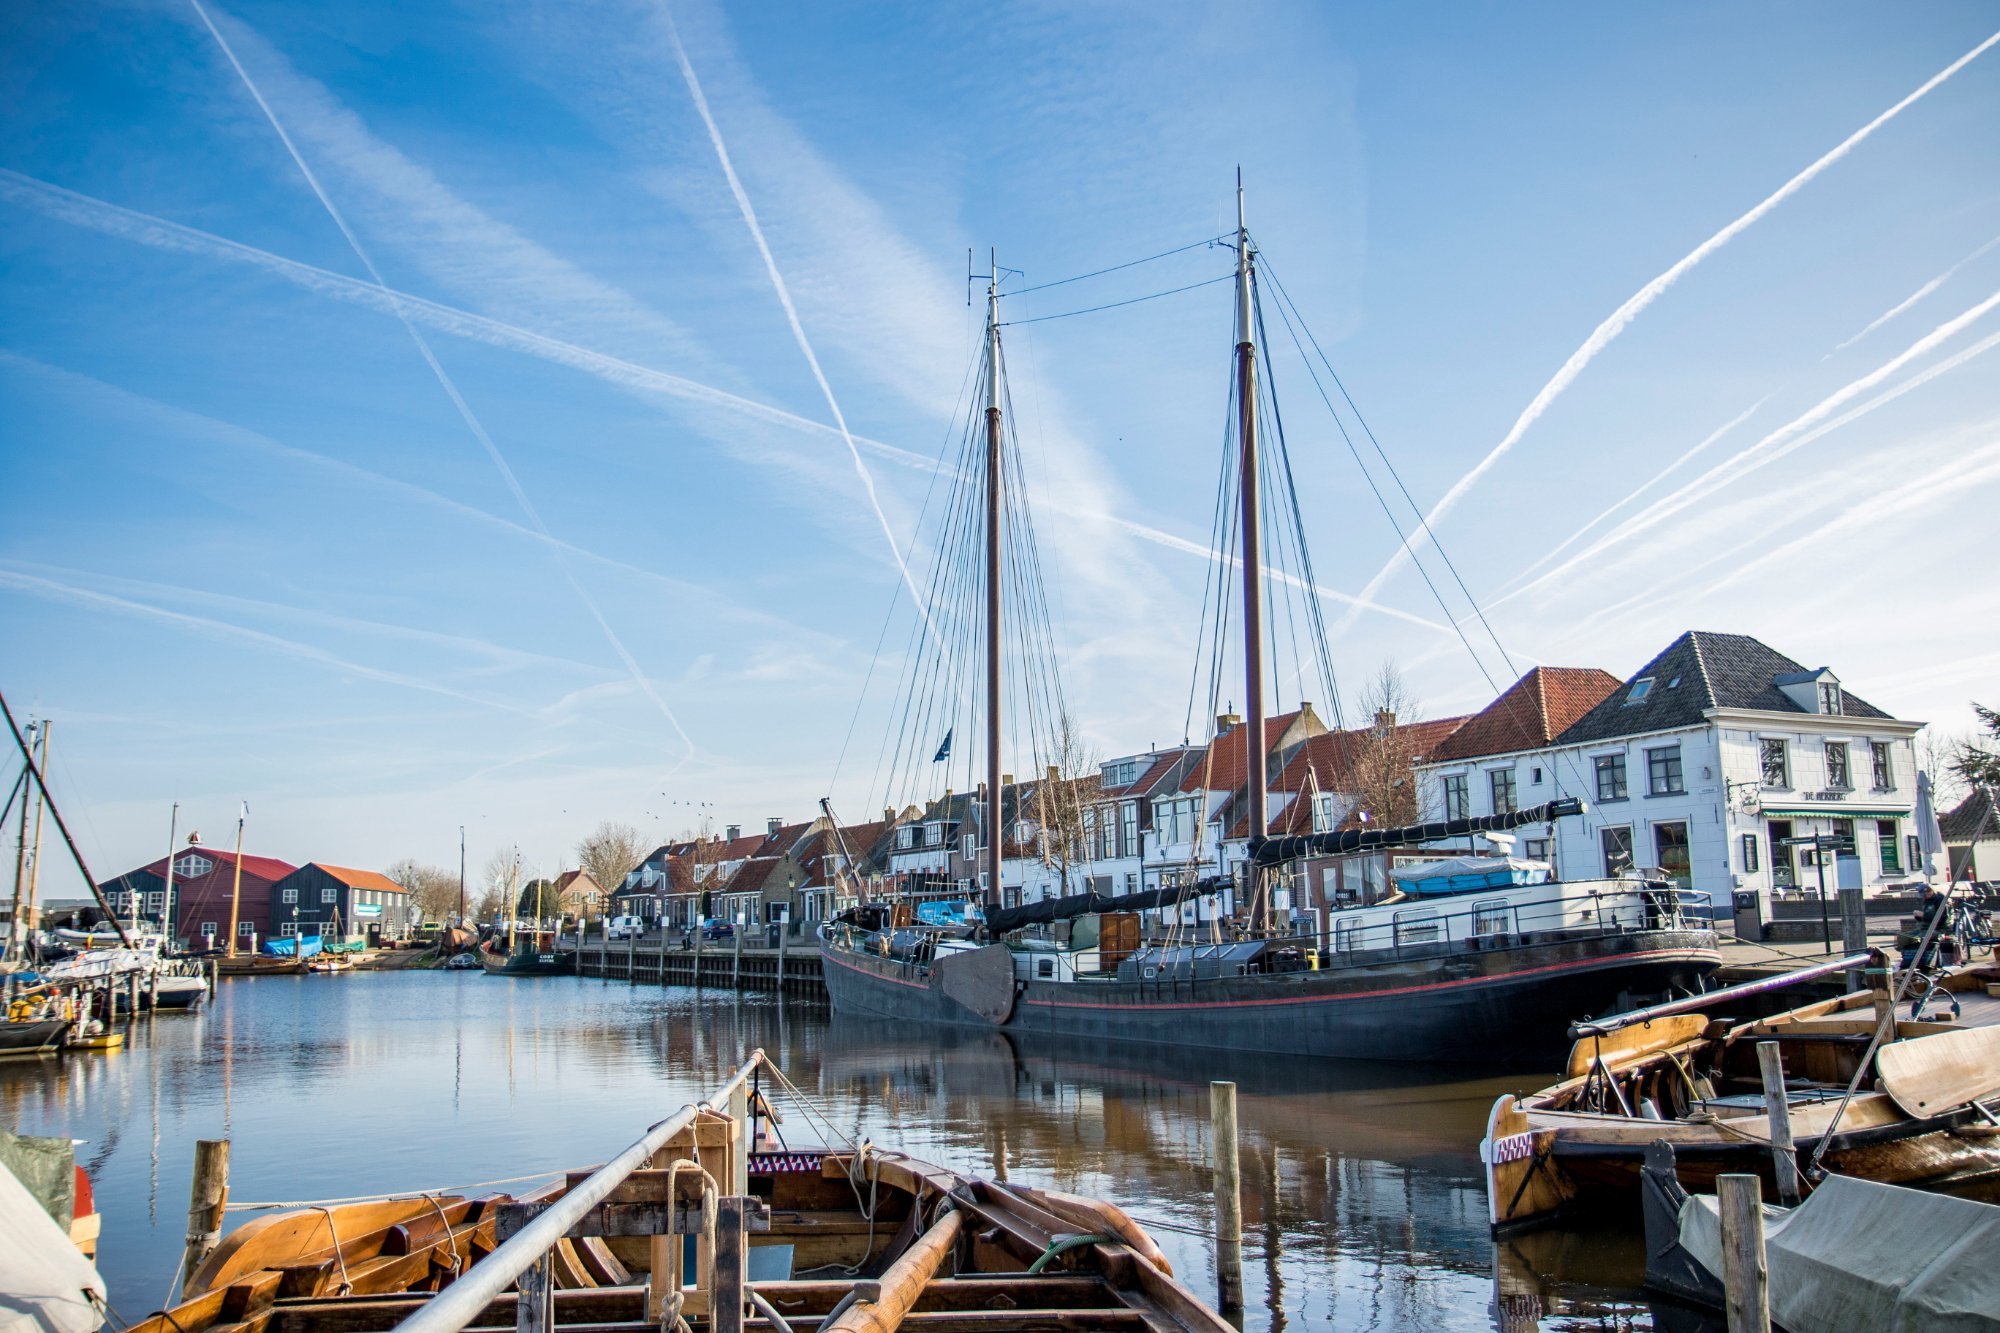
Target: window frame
(1752, 854)
(1882, 764)
(1845, 782)
(1769, 747)
(1604, 850)
(1687, 846)
(1417, 927)
(1604, 765)
(1457, 795)
(1889, 846)
(328, 895)
(1657, 760)
(1485, 913)
(288, 895)
(1495, 779)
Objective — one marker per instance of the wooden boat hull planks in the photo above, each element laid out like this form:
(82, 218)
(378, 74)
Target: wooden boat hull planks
(1693, 1084)
(858, 1242)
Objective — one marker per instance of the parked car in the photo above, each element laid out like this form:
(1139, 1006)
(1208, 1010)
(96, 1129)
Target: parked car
(718, 930)
(624, 927)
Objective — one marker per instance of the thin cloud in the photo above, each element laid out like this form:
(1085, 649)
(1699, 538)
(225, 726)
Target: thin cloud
(1602, 336)
(1914, 297)
(53, 590)
(159, 233)
(1793, 435)
(792, 317)
(445, 382)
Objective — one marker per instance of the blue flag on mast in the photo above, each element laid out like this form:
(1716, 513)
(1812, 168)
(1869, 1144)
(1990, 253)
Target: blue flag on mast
(944, 751)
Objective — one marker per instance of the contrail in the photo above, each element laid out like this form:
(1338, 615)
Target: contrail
(49, 588)
(444, 380)
(792, 314)
(159, 233)
(1634, 494)
(1788, 437)
(1914, 297)
(1602, 335)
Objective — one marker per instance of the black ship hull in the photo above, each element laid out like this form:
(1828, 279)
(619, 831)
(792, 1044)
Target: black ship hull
(1510, 1005)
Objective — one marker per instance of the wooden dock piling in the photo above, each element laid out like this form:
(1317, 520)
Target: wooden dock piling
(209, 1193)
(1853, 932)
(1777, 1106)
(1228, 1196)
(1745, 1279)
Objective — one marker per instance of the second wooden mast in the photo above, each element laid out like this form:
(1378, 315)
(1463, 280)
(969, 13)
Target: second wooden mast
(994, 474)
(1256, 776)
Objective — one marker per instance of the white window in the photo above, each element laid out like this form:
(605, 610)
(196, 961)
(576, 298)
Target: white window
(1885, 765)
(288, 930)
(156, 901)
(1417, 925)
(1776, 763)
(1457, 803)
(329, 895)
(1504, 797)
(1836, 765)
(289, 895)
(1493, 917)
(1346, 934)
(193, 866)
(208, 929)
(245, 929)
(1829, 697)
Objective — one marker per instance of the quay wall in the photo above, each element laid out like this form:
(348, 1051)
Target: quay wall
(793, 969)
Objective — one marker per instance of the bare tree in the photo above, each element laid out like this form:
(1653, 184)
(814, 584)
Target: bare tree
(433, 890)
(497, 879)
(1938, 755)
(610, 851)
(1062, 805)
(1975, 760)
(1384, 775)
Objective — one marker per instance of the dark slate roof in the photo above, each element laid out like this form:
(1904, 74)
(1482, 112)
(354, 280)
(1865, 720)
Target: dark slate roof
(1974, 819)
(1713, 671)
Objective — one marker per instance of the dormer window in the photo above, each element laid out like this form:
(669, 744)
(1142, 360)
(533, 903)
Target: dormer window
(193, 866)
(1640, 689)
(1829, 698)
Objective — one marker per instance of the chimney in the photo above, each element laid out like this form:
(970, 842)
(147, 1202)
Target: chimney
(773, 824)
(888, 814)
(1385, 718)
(1006, 781)
(982, 792)
(1224, 721)
(733, 832)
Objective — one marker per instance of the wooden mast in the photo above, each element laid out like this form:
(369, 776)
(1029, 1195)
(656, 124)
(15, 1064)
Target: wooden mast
(993, 479)
(1253, 569)
(173, 837)
(236, 887)
(33, 917)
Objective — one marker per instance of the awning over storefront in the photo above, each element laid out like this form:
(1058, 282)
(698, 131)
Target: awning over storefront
(1839, 812)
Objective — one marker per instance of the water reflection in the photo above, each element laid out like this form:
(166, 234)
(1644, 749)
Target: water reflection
(1363, 1204)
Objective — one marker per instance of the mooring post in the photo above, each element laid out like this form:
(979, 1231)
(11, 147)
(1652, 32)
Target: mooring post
(731, 1262)
(153, 991)
(205, 1200)
(1228, 1196)
(784, 933)
(1853, 932)
(1744, 1277)
(632, 957)
(699, 931)
(1777, 1106)
(739, 1128)
(736, 971)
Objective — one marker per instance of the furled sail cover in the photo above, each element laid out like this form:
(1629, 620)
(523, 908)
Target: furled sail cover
(1000, 920)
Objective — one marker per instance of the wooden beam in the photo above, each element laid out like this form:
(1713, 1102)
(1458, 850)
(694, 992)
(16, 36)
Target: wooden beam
(904, 1282)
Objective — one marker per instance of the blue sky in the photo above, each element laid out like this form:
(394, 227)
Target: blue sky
(252, 548)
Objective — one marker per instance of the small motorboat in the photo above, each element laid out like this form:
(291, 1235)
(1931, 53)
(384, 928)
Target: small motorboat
(463, 962)
(709, 1223)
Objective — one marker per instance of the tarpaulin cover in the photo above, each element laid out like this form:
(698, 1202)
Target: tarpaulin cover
(1860, 1254)
(47, 1283)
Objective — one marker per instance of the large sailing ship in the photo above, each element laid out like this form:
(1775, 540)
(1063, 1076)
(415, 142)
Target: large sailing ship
(1489, 963)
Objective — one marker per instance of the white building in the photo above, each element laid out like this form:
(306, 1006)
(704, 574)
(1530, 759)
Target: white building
(1708, 763)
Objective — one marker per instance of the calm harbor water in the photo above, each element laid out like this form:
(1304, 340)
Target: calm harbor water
(1363, 1205)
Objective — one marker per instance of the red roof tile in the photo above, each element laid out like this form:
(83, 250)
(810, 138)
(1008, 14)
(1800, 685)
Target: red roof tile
(1225, 767)
(361, 879)
(1532, 712)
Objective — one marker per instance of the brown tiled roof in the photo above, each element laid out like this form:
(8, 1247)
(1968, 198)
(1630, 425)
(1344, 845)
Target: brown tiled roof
(1326, 761)
(1225, 767)
(1536, 709)
(1974, 819)
(751, 875)
(361, 879)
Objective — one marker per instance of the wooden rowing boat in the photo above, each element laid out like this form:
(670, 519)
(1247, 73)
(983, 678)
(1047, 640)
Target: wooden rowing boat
(1693, 1082)
(720, 1227)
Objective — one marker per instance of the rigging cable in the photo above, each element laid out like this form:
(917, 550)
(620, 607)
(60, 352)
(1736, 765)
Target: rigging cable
(1130, 263)
(1091, 310)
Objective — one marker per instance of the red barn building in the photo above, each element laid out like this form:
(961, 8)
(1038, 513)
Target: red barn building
(204, 879)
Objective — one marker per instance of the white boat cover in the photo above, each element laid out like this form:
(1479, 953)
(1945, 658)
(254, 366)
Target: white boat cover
(97, 964)
(46, 1281)
(1859, 1254)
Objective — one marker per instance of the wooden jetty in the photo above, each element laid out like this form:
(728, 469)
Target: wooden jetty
(793, 968)
(706, 1224)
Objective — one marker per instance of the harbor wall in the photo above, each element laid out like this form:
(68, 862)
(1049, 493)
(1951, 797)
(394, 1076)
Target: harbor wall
(793, 969)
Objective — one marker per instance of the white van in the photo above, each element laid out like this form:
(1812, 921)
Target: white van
(624, 927)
